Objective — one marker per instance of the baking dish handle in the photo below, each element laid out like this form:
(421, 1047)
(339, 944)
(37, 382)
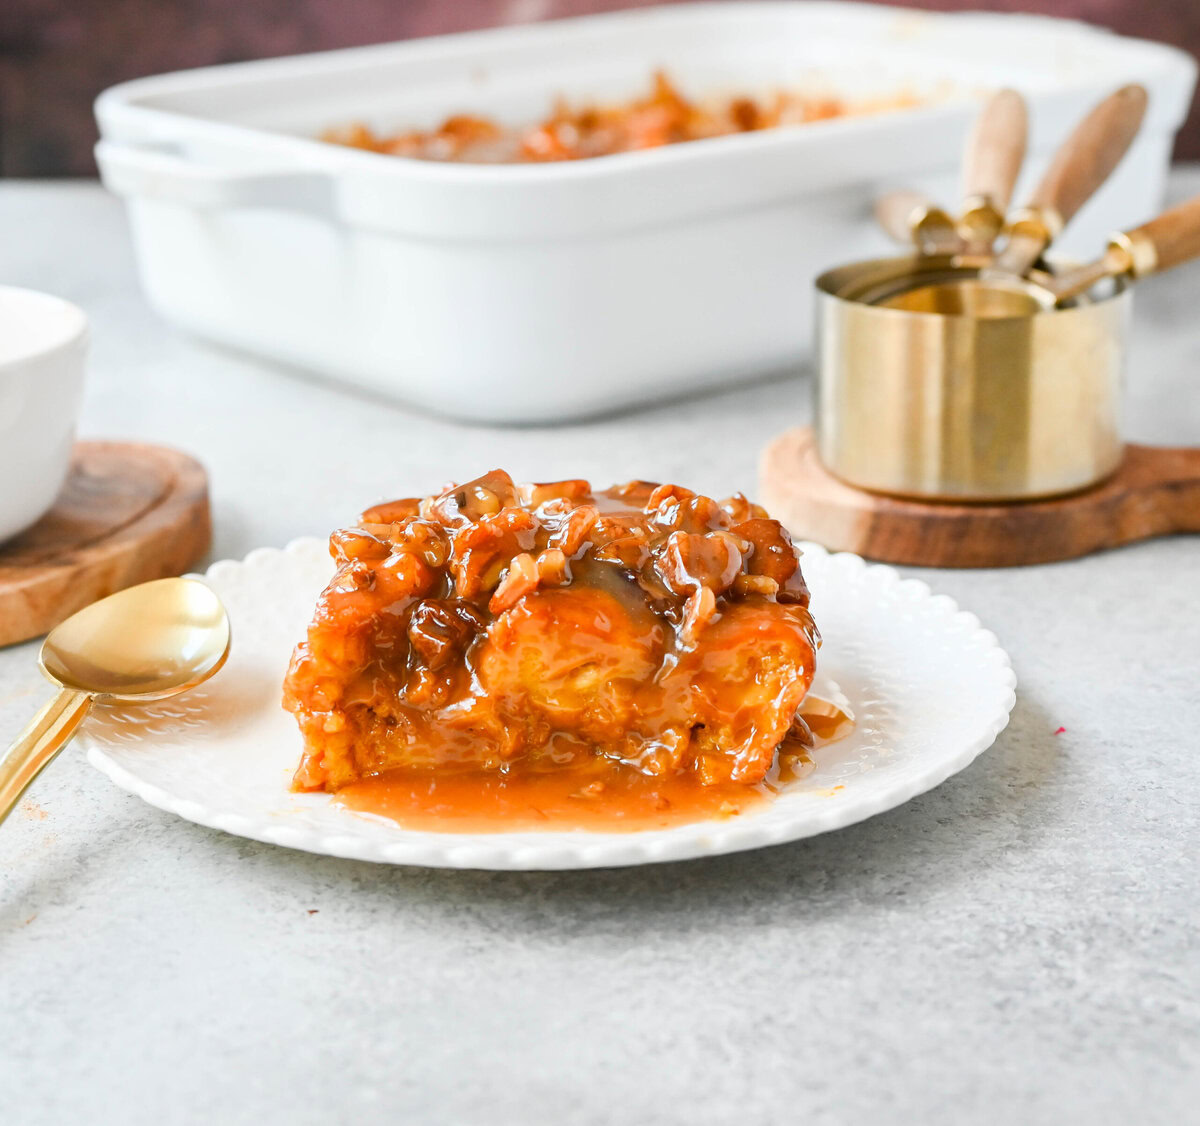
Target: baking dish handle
(132, 171)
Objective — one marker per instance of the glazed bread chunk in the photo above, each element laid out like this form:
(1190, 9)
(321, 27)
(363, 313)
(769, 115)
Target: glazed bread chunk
(498, 626)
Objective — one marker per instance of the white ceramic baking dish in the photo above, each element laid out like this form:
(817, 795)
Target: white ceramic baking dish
(540, 292)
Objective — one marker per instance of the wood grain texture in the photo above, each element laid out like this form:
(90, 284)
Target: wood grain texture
(996, 149)
(1156, 492)
(1088, 156)
(128, 513)
(895, 211)
(1175, 235)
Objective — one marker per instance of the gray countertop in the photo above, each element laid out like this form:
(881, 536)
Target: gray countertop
(1019, 945)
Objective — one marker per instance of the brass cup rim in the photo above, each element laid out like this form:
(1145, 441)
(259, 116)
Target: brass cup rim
(847, 282)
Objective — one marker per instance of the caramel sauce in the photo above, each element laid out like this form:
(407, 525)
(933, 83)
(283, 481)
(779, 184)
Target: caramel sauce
(596, 794)
(609, 797)
(826, 720)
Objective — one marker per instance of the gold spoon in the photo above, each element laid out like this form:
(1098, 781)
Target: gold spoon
(148, 642)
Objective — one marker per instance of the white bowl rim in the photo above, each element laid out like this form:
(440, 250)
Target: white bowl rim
(55, 324)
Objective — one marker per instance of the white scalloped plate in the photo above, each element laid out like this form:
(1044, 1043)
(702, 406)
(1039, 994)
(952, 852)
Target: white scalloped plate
(930, 687)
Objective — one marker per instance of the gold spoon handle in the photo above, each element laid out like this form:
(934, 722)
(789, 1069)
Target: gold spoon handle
(50, 731)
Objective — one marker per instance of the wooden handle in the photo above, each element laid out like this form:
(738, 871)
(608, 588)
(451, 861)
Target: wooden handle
(1175, 236)
(913, 220)
(1161, 493)
(895, 211)
(1091, 152)
(996, 149)
(49, 731)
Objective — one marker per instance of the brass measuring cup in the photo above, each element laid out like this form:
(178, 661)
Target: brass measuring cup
(961, 407)
(935, 381)
(1006, 402)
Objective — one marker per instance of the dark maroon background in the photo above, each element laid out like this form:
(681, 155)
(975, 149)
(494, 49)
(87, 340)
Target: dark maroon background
(56, 55)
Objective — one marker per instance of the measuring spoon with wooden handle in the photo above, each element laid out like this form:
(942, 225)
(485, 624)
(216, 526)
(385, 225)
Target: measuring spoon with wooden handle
(910, 217)
(1162, 244)
(991, 164)
(1084, 161)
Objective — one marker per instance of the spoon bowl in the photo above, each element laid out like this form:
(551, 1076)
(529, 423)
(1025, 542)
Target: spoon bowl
(148, 642)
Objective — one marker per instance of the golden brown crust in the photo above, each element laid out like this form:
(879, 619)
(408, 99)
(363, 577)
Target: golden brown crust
(495, 624)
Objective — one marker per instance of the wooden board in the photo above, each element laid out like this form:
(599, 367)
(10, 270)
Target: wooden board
(128, 513)
(1156, 492)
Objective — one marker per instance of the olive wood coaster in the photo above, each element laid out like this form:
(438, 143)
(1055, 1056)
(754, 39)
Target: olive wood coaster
(1155, 492)
(127, 513)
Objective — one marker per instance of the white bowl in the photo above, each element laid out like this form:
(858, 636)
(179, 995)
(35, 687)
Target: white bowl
(43, 341)
(527, 293)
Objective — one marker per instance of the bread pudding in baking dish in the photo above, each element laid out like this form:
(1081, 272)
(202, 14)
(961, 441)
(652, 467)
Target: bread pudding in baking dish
(642, 640)
(664, 116)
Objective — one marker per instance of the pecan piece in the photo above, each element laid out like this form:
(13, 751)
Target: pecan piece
(573, 532)
(774, 556)
(479, 550)
(756, 584)
(392, 511)
(348, 544)
(635, 493)
(535, 495)
(485, 496)
(553, 568)
(700, 609)
(403, 575)
(428, 540)
(689, 562)
(665, 493)
(738, 507)
(520, 579)
(665, 505)
(440, 632)
(701, 514)
(631, 552)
